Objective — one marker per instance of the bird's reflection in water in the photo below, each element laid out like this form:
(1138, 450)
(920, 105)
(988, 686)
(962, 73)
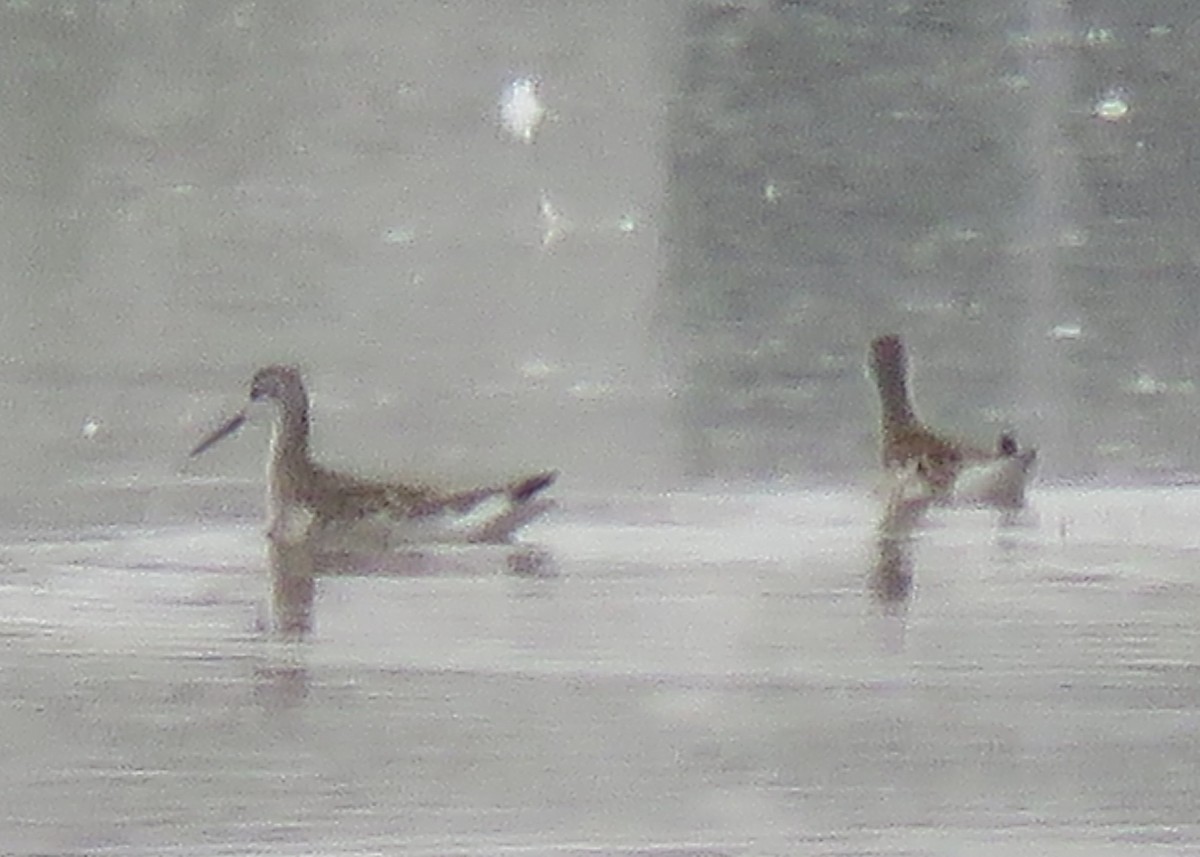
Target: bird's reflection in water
(891, 577)
(282, 682)
(295, 568)
(892, 574)
(293, 588)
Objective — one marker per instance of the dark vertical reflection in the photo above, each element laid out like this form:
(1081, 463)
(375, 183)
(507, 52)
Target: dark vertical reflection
(891, 577)
(293, 586)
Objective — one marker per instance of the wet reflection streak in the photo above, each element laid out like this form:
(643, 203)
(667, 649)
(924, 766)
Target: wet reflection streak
(295, 567)
(892, 575)
(293, 586)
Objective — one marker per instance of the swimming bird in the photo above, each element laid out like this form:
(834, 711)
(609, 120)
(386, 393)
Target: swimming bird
(943, 469)
(313, 505)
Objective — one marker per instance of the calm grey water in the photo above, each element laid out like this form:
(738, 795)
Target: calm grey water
(712, 647)
(698, 673)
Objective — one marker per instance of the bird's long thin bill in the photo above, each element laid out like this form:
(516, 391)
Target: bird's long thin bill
(233, 424)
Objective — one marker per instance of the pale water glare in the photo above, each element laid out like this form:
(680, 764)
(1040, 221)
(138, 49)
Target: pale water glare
(521, 110)
(645, 243)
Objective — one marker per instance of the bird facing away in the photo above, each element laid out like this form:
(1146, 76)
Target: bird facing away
(313, 505)
(947, 470)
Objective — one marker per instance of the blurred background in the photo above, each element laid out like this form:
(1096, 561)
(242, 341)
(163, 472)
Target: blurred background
(643, 242)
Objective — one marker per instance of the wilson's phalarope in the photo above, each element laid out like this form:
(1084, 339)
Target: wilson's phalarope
(945, 470)
(307, 503)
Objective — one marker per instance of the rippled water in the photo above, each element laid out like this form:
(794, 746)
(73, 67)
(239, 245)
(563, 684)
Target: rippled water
(700, 673)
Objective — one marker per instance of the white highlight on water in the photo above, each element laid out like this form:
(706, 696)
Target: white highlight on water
(521, 110)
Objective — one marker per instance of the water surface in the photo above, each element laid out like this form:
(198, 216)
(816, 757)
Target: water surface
(697, 673)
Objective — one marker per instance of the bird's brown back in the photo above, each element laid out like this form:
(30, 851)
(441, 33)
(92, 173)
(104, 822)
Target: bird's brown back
(338, 496)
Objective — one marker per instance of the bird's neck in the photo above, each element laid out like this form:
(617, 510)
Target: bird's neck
(891, 379)
(289, 466)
